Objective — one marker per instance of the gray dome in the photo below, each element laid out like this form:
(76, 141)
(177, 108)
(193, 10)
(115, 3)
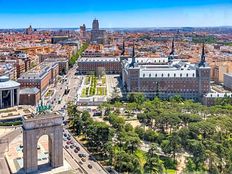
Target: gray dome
(6, 83)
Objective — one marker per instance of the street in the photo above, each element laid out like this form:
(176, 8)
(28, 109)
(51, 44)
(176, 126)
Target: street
(59, 103)
(90, 166)
(58, 100)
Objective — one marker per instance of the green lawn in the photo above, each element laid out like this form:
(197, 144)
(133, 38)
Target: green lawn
(49, 93)
(93, 89)
(87, 80)
(101, 91)
(84, 92)
(171, 171)
(103, 80)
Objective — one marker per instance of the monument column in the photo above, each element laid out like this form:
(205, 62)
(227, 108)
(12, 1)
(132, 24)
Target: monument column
(30, 156)
(0, 99)
(12, 98)
(56, 150)
(18, 96)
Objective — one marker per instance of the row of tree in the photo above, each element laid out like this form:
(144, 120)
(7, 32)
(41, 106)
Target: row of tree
(74, 58)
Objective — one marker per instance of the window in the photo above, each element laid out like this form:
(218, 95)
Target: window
(168, 74)
(174, 74)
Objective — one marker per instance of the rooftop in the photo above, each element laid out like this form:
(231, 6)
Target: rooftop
(39, 71)
(29, 91)
(228, 74)
(99, 59)
(216, 95)
(6, 83)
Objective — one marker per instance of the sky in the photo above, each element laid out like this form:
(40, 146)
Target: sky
(115, 13)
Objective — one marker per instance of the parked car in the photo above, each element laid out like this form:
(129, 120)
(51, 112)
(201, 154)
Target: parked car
(83, 159)
(92, 158)
(90, 166)
(81, 155)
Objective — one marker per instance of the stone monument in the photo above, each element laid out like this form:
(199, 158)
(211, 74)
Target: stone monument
(33, 128)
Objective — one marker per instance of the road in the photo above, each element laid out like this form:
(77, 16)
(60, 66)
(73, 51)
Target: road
(96, 168)
(72, 83)
(4, 142)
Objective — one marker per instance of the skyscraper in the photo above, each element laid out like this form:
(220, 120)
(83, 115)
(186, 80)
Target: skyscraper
(97, 35)
(29, 30)
(95, 25)
(83, 31)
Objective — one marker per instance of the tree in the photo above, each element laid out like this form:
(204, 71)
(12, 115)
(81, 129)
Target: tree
(72, 110)
(140, 131)
(76, 124)
(168, 121)
(129, 140)
(177, 98)
(213, 162)
(125, 162)
(172, 145)
(116, 121)
(154, 165)
(197, 149)
(189, 118)
(150, 135)
(85, 116)
(98, 134)
(190, 166)
(152, 152)
(136, 97)
(128, 127)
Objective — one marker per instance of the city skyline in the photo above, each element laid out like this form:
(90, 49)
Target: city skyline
(122, 14)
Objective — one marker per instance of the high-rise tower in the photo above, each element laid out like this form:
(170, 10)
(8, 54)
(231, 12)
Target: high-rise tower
(95, 25)
(97, 35)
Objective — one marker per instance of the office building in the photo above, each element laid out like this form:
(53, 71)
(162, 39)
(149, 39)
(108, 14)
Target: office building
(91, 65)
(167, 77)
(40, 77)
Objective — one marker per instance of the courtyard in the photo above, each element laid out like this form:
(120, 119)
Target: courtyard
(96, 90)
